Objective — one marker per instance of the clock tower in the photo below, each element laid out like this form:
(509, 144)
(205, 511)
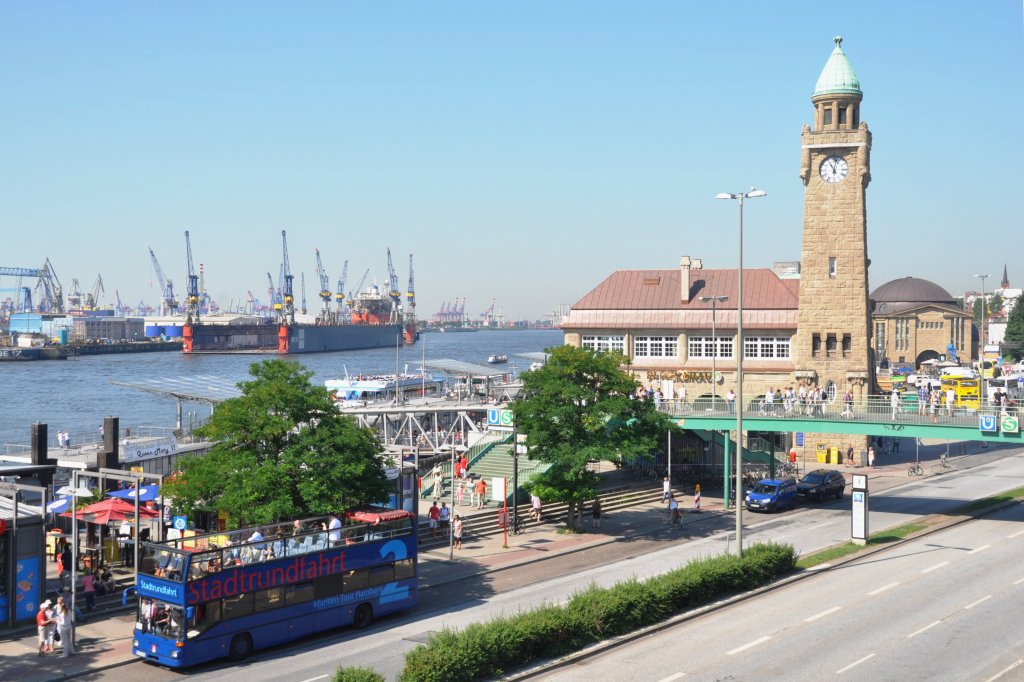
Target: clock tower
(833, 325)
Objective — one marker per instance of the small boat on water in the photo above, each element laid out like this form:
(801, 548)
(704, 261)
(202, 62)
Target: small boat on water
(497, 359)
(373, 389)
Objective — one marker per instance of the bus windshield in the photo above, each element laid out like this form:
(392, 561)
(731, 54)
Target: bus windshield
(160, 618)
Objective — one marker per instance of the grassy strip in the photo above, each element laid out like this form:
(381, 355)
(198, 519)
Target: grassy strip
(489, 649)
(900, 532)
(986, 502)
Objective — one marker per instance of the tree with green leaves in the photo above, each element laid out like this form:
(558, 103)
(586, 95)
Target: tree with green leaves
(1013, 340)
(281, 450)
(581, 406)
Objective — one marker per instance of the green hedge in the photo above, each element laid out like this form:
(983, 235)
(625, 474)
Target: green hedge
(490, 649)
(355, 674)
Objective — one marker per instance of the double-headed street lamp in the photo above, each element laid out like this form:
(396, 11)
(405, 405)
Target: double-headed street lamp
(981, 355)
(752, 194)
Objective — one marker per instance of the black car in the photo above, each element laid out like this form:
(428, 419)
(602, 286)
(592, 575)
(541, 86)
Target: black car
(822, 483)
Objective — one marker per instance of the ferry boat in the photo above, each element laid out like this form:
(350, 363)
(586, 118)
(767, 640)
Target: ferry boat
(497, 359)
(370, 389)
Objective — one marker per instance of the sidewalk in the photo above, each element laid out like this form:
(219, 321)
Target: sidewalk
(106, 642)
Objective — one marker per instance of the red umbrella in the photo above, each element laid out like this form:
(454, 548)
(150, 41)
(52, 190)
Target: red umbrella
(112, 509)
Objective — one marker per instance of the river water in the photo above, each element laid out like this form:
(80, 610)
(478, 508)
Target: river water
(76, 394)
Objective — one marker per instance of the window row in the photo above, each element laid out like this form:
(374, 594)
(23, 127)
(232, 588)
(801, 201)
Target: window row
(764, 347)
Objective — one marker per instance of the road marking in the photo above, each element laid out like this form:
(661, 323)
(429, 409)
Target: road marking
(932, 568)
(843, 670)
(748, 645)
(972, 605)
(1013, 535)
(926, 627)
(1018, 582)
(314, 679)
(882, 589)
(673, 677)
(979, 549)
(1004, 671)
(822, 614)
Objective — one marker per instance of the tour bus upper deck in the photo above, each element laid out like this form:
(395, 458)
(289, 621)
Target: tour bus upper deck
(193, 557)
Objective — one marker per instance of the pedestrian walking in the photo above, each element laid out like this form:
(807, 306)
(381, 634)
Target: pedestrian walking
(666, 490)
(950, 399)
(64, 565)
(481, 490)
(849, 455)
(65, 624)
(595, 513)
(673, 507)
(457, 531)
(894, 402)
(433, 514)
(871, 456)
(460, 488)
(535, 507)
(730, 400)
(89, 588)
(43, 622)
(895, 445)
(101, 431)
(444, 518)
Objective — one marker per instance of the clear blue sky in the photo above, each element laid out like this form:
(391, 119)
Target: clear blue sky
(522, 150)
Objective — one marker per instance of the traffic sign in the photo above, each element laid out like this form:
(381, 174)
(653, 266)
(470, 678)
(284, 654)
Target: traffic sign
(987, 423)
(799, 437)
(1009, 424)
(180, 523)
(496, 417)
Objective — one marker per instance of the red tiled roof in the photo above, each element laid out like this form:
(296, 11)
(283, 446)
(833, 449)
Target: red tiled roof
(661, 290)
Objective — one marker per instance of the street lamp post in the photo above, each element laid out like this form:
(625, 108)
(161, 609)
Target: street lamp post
(714, 300)
(981, 355)
(752, 194)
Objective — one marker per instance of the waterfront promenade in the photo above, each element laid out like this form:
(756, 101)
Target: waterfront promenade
(484, 566)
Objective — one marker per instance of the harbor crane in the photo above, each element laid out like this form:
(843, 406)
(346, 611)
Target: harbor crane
(342, 281)
(325, 289)
(393, 293)
(75, 295)
(271, 291)
(302, 277)
(287, 293)
(168, 301)
(488, 315)
(362, 281)
(52, 300)
(192, 294)
(410, 318)
(92, 299)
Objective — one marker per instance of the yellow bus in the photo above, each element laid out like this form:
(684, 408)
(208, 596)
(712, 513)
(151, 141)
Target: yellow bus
(966, 391)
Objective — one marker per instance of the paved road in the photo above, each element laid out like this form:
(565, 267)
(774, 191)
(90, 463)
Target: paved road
(384, 645)
(943, 607)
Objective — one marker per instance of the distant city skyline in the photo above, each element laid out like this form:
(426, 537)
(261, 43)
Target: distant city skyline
(522, 152)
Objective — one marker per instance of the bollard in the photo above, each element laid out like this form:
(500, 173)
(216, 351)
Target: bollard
(696, 499)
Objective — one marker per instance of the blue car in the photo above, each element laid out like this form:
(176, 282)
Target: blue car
(772, 494)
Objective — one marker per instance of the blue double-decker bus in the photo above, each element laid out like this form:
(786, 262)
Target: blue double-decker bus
(230, 593)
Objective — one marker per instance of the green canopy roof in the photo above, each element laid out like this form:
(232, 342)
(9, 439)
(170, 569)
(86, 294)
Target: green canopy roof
(837, 77)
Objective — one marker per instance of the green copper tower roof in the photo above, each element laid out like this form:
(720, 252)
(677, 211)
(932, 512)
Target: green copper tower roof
(837, 77)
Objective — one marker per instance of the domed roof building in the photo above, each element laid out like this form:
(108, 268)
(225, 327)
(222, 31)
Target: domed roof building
(916, 321)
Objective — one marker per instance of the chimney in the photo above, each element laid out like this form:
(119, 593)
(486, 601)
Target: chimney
(686, 264)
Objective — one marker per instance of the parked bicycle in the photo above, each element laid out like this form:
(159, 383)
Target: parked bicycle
(915, 470)
(944, 461)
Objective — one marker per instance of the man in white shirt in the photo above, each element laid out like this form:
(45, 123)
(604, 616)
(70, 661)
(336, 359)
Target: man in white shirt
(666, 489)
(334, 534)
(950, 400)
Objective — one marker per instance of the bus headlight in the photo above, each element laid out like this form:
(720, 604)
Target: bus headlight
(135, 643)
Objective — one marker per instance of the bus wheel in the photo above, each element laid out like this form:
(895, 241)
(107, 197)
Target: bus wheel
(241, 647)
(364, 614)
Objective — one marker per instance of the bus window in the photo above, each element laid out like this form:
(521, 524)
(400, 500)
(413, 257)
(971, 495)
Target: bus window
(381, 575)
(236, 607)
(405, 569)
(356, 580)
(297, 594)
(202, 618)
(269, 599)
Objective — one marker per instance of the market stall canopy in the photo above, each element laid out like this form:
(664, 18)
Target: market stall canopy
(113, 509)
(146, 493)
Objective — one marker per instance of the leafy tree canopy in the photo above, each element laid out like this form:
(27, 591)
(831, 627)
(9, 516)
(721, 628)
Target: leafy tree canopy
(281, 450)
(1013, 341)
(581, 406)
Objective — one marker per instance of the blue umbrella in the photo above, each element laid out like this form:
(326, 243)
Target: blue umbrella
(59, 505)
(146, 493)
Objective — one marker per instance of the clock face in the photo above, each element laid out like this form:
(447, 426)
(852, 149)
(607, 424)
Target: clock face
(834, 169)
